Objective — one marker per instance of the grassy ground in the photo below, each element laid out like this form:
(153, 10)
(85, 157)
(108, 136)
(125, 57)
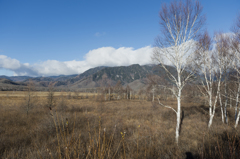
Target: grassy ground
(77, 127)
(41, 94)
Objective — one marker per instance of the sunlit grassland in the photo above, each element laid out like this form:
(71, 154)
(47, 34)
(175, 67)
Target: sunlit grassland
(90, 127)
(41, 94)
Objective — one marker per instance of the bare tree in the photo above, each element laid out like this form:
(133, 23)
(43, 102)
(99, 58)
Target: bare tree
(180, 24)
(103, 84)
(235, 91)
(236, 51)
(50, 99)
(106, 86)
(29, 96)
(141, 94)
(109, 89)
(128, 90)
(118, 89)
(76, 94)
(153, 81)
(223, 43)
(209, 64)
(237, 112)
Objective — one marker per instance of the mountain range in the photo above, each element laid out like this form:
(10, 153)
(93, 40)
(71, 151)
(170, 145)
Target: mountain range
(133, 75)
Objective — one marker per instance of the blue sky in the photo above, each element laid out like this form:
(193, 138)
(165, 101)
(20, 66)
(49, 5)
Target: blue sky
(52, 37)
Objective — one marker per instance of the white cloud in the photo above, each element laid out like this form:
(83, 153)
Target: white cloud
(9, 63)
(105, 56)
(109, 56)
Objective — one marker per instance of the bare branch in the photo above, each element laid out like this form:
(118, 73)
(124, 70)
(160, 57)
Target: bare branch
(166, 106)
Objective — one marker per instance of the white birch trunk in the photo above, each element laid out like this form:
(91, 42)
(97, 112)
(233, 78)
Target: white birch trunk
(237, 120)
(212, 106)
(225, 114)
(226, 101)
(236, 107)
(237, 113)
(179, 85)
(153, 96)
(178, 116)
(210, 120)
(210, 110)
(230, 101)
(221, 106)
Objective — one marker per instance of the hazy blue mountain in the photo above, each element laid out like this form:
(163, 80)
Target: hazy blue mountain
(93, 77)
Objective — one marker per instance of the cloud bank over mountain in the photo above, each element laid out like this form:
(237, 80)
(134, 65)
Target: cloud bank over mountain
(104, 56)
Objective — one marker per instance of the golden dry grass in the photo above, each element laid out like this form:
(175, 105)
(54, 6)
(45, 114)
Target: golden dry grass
(93, 128)
(40, 94)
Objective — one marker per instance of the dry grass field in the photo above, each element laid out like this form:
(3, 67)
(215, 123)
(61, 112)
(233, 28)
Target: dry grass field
(40, 94)
(86, 126)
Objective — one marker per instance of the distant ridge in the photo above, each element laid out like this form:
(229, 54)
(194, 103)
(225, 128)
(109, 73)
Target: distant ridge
(16, 78)
(128, 75)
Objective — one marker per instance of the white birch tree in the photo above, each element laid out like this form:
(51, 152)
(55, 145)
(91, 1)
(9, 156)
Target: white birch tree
(209, 64)
(235, 92)
(180, 24)
(223, 43)
(236, 51)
